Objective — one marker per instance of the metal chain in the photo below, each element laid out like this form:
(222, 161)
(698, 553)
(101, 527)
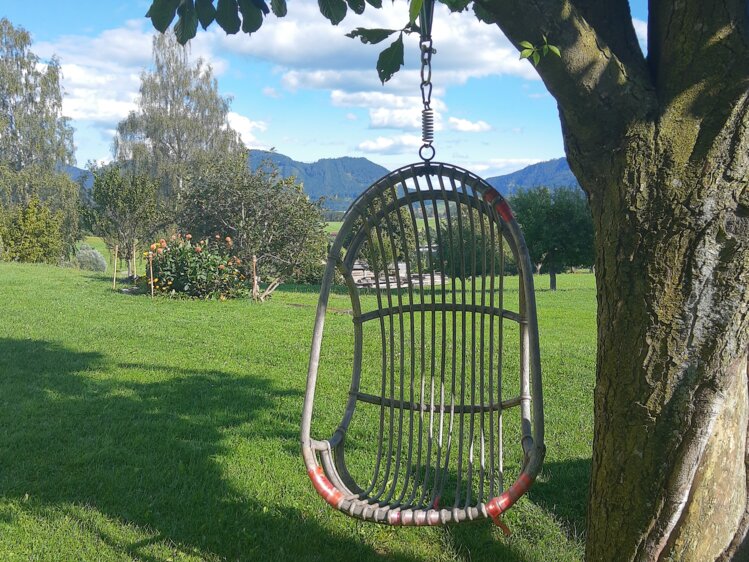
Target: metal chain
(426, 152)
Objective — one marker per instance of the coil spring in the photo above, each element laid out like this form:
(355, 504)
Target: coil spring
(427, 126)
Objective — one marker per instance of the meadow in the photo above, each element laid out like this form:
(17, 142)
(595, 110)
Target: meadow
(139, 429)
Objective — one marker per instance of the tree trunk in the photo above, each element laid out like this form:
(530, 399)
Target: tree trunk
(552, 277)
(669, 474)
(660, 143)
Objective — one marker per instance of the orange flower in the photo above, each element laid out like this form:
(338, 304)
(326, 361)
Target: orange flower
(162, 242)
(198, 249)
(221, 266)
(159, 250)
(228, 240)
(188, 236)
(153, 247)
(237, 261)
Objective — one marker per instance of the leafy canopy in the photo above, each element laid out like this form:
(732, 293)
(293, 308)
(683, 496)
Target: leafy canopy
(33, 130)
(248, 15)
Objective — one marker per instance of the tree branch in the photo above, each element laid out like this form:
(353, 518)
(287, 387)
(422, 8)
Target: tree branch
(601, 83)
(694, 45)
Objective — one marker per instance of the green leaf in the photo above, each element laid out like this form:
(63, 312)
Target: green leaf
(206, 12)
(375, 3)
(187, 26)
(555, 50)
(414, 9)
(162, 13)
(356, 5)
(371, 36)
(482, 14)
(526, 45)
(545, 49)
(278, 7)
(227, 16)
(536, 58)
(525, 53)
(252, 17)
(456, 5)
(390, 60)
(334, 10)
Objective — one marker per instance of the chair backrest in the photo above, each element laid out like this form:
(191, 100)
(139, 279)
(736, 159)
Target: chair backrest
(445, 340)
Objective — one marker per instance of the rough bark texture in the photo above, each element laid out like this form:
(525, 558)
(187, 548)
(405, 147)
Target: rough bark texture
(661, 147)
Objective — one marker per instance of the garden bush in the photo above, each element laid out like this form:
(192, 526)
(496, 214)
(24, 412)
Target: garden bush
(90, 259)
(205, 269)
(33, 234)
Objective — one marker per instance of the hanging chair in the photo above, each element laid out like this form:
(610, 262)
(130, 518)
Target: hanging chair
(445, 349)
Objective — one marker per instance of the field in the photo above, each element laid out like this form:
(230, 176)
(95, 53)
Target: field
(133, 429)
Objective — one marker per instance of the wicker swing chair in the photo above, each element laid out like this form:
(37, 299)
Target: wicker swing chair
(443, 345)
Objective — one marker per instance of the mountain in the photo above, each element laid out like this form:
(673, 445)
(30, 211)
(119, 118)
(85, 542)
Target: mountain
(341, 180)
(338, 180)
(553, 173)
(78, 175)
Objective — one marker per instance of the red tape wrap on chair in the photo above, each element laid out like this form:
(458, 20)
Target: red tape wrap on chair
(490, 195)
(323, 486)
(503, 208)
(496, 506)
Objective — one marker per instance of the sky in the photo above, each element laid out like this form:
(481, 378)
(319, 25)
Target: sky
(299, 85)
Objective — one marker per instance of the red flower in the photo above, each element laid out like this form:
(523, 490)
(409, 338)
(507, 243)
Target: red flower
(198, 249)
(159, 250)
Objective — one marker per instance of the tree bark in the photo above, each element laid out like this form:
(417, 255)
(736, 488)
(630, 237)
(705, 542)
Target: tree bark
(552, 277)
(661, 147)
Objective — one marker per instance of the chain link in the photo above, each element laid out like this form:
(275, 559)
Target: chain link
(426, 152)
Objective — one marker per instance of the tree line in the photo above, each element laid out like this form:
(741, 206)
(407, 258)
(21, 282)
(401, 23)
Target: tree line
(177, 166)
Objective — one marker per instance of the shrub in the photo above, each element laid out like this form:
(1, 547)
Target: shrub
(206, 269)
(33, 234)
(90, 259)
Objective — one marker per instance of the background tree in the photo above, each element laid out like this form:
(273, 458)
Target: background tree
(180, 115)
(125, 209)
(32, 128)
(659, 144)
(557, 227)
(266, 216)
(30, 232)
(54, 191)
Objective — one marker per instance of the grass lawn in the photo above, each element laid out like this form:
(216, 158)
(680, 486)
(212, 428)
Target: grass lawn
(133, 429)
(333, 226)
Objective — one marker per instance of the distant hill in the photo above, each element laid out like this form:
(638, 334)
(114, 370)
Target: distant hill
(78, 174)
(339, 180)
(552, 174)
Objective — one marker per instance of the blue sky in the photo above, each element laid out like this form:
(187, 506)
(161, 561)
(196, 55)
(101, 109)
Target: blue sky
(301, 86)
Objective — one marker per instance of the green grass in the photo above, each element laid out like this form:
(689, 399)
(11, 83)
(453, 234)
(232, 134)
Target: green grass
(333, 226)
(133, 429)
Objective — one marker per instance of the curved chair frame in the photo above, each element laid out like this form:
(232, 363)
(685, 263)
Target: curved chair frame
(419, 187)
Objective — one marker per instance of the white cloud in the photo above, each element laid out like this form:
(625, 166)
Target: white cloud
(245, 128)
(271, 92)
(351, 116)
(641, 29)
(101, 74)
(501, 166)
(466, 126)
(391, 145)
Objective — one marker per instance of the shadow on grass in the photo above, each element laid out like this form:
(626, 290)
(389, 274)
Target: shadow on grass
(152, 451)
(563, 491)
